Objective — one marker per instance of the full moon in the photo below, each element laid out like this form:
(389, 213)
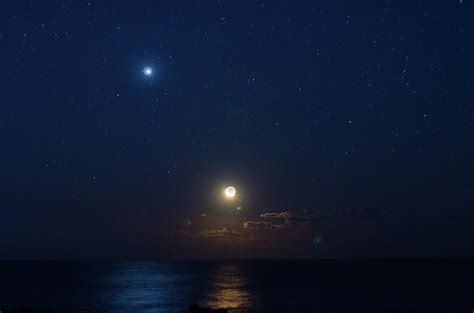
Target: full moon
(230, 192)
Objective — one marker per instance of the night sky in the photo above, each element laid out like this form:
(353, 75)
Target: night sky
(347, 129)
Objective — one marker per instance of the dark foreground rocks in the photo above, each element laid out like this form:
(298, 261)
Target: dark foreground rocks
(195, 308)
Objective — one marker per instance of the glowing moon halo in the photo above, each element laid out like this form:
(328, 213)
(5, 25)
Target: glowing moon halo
(230, 192)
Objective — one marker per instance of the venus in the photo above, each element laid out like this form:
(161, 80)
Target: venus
(230, 192)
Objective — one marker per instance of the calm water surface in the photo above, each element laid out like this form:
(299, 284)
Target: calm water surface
(241, 286)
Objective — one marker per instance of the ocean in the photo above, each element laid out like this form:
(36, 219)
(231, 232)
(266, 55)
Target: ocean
(382, 286)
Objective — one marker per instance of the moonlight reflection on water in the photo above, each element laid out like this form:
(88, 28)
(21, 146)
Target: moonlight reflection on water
(229, 289)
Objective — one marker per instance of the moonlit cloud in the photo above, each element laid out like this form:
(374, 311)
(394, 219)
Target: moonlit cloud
(283, 215)
(219, 235)
(267, 226)
(259, 225)
(284, 222)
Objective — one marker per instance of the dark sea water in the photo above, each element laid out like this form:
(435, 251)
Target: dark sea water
(242, 286)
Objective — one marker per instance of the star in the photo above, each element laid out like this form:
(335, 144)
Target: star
(148, 71)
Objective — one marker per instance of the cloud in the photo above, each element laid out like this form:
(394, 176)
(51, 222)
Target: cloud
(280, 215)
(224, 232)
(219, 235)
(259, 225)
(267, 226)
(285, 221)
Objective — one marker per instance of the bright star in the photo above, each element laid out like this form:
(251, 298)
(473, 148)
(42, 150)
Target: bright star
(148, 71)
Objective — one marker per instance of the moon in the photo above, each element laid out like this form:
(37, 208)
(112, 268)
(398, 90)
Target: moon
(148, 71)
(230, 192)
